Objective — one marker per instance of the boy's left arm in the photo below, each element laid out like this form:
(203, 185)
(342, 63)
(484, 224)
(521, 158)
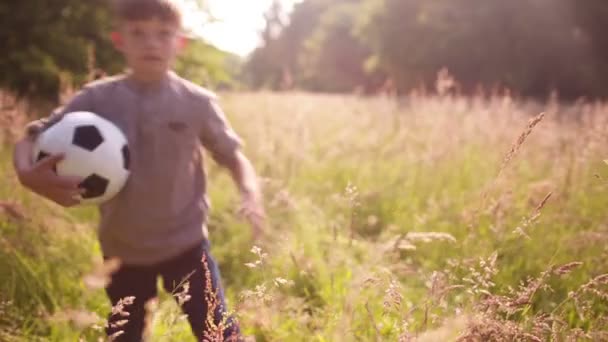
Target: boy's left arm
(225, 146)
(246, 180)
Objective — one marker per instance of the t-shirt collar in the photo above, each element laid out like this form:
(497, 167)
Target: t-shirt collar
(148, 88)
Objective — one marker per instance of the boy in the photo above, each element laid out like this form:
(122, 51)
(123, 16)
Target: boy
(156, 225)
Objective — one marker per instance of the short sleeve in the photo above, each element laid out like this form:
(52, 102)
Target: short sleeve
(79, 102)
(217, 135)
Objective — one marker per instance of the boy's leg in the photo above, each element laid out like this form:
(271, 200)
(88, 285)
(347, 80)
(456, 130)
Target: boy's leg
(130, 281)
(205, 307)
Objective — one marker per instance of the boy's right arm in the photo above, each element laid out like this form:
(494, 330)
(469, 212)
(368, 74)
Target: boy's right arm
(40, 176)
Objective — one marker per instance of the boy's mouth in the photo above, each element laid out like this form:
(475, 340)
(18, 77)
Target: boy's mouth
(151, 58)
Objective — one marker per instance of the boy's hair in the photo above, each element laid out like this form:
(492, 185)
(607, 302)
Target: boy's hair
(165, 10)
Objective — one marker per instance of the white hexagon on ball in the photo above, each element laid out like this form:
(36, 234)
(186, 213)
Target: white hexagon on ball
(95, 150)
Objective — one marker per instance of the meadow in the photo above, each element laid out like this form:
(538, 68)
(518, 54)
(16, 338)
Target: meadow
(428, 218)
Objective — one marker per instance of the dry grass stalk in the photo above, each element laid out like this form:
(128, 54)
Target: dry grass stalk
(520, 141)
(13, 115)
(101, 276)
(567, 268)
(493, 321)
(120, 310)
(515, 147)
(373, 321)
(393, 297)
(80, 318)
(521, 229)
(150, 307)
(13, 210)
(214, 329)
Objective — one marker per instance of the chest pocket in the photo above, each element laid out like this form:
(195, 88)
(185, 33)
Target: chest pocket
(167, 140)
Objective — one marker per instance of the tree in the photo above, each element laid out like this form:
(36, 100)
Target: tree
(206, 65)
(49, 45)
(50, 42)
(334, 58)
(266, 65)
(530, 46)
(590, 17)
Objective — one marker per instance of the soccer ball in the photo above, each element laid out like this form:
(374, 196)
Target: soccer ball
(95, 150)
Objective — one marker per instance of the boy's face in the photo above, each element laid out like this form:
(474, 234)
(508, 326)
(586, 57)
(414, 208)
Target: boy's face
(149, 46)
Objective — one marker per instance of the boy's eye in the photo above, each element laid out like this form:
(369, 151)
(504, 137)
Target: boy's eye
(137, 33)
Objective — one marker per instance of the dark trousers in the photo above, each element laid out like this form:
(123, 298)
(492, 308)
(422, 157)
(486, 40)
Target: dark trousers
(199, 270)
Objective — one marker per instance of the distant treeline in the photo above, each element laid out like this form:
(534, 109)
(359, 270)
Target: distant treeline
(532, 47)
(51, 44)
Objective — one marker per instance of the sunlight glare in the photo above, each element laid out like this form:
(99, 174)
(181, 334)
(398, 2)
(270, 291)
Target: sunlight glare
(238, 26)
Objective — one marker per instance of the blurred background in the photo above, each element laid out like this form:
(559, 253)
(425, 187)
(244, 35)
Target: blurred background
(433, 170)
(532, 47)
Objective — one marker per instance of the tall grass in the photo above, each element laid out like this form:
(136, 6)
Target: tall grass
(428, 218)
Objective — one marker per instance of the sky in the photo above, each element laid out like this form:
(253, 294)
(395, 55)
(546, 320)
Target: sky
(240, 22)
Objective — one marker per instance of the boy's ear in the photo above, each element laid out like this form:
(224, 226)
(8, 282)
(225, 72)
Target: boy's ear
(183, 42)
(116, 38)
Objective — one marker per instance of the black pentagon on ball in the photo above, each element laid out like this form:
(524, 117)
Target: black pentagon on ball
(126, 157)
(94, 186)
(42, 155)
(87, 137)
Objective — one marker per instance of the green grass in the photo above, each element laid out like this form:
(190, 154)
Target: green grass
(345, 179)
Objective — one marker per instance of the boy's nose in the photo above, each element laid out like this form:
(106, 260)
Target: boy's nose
(151, 41)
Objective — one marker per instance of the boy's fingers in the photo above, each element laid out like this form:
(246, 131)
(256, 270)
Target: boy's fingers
(69, 183)
(256, 214)
(67, 198)
(74, 181)
(77, 197)
(69, 202)
(256, 219)
(50, 161)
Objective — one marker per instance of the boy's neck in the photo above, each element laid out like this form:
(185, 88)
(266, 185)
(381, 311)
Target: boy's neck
(147, 81)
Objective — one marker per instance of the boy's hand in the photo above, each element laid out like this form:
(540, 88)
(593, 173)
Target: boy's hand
(253, 211)
(251, 197)
(41, 178)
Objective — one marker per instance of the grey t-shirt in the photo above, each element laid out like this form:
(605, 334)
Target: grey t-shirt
(162, 210)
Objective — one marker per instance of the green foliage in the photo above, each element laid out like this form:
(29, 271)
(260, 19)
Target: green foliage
(384, 222)
(528, 46)
(208, 66)
(333, 58)
(50, 43)
(531, 47)
(52, 46)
